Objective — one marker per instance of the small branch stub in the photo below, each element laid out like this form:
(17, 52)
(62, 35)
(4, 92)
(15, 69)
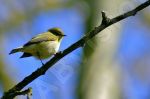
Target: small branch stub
(105, 19)
(27, 92)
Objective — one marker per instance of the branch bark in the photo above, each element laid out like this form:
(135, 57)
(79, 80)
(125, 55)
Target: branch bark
(10, 94)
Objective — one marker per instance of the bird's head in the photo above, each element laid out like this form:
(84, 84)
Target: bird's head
(57, 32)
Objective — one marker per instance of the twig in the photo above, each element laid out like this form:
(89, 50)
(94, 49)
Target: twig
(41, 71)
(27, 92)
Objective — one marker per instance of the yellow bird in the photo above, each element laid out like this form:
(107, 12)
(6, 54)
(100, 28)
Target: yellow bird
(43, 45)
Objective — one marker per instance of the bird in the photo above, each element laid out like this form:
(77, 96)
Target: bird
(43, 45)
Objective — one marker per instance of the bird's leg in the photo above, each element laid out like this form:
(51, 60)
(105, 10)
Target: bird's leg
(38, 54)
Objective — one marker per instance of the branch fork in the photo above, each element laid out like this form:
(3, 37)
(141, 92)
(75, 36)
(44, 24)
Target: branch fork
(105, 19)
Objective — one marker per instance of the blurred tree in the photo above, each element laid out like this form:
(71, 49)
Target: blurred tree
(100, 76)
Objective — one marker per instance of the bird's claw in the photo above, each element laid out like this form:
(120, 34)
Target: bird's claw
(58, 53)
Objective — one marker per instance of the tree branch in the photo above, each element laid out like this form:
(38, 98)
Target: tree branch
(41, 71)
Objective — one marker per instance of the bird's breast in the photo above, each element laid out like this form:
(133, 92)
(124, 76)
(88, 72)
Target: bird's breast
(46, 49)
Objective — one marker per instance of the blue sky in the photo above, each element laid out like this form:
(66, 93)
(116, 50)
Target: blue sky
(133, 45)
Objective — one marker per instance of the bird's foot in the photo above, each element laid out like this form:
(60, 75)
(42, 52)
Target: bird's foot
(58, 53)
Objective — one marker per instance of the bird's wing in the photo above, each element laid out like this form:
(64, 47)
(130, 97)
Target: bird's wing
(26, 55)
(41, 38)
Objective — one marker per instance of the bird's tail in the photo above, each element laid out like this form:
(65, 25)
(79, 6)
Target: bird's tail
(16, 50)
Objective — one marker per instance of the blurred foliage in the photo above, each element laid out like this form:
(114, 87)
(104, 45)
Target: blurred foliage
(16, 12)
(5, 80)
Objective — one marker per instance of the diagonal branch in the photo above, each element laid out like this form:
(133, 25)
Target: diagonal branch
(41, 71)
